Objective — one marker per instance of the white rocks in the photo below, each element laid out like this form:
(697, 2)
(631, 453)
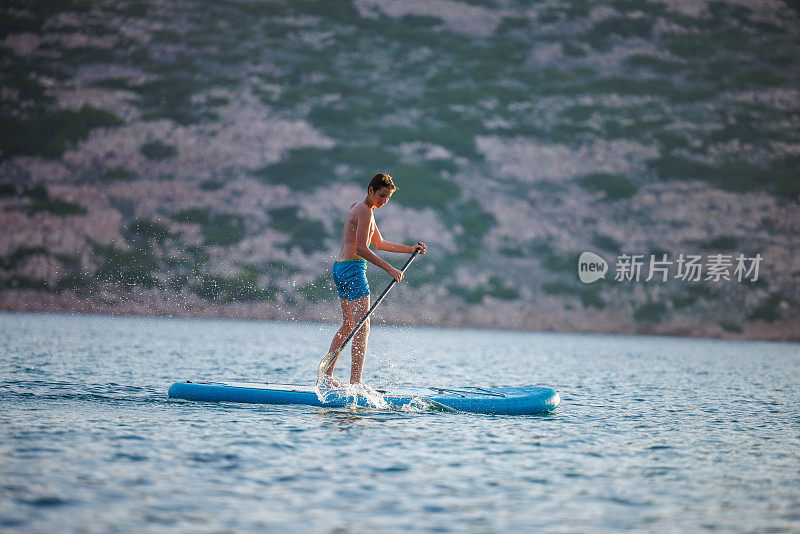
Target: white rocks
(531, 161)
(786, 99)
(772, 11)
(59, 235)
(245, 137)
(23, 44)
(457, 16)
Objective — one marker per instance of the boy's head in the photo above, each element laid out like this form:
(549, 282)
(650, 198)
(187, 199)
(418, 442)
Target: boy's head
(379, 181)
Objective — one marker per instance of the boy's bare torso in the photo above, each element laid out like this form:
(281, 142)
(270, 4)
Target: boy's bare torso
(348, 251)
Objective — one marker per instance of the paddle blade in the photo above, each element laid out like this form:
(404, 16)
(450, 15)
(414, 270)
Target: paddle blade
(328, 362)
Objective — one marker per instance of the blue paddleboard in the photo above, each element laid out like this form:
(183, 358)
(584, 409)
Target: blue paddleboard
(495, 400)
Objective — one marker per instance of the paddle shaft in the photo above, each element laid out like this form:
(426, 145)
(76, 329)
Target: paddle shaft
(377, 301)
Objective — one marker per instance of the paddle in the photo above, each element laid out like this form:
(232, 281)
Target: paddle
(330, 358)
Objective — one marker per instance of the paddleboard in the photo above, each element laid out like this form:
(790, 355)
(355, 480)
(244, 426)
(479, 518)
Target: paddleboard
(495, 400)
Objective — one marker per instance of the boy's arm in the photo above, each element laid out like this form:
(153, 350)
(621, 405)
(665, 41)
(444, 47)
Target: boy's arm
(381, 244)
(362, 245)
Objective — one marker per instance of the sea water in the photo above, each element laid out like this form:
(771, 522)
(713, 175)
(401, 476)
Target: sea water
(653, 434)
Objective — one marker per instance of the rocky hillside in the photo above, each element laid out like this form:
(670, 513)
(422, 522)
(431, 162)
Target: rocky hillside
(192, 157)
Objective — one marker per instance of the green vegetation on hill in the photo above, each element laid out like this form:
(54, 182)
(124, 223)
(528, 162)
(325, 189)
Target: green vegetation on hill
(496, 288)
(118, 174)
(56, 206)
(308, 168)
(589, 295)
(781, 177)
(710, 95)
(320, 289)
(143, 234)
(18, 256)
(221, 229)
(613, 186)
(49, 133)
(423, 187)
(357, 85)
(693, 293)
(145, 265)
(650, 312)
(242, 288)
(39, 200)
(769, 309)
(307, 234)
(158, 150)
(129, 268)
(472, 223)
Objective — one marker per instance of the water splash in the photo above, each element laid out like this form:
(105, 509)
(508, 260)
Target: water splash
(421, 404)
(417, 404)
(328, 392)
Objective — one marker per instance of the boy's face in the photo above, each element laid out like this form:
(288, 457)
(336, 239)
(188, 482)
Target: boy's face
(381, 196)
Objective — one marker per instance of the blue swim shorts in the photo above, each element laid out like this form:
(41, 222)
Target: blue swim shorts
(350, 277)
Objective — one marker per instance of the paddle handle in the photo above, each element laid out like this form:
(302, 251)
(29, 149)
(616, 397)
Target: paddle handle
(378, 300)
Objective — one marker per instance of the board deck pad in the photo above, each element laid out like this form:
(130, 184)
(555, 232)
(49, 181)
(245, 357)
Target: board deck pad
(519, 400)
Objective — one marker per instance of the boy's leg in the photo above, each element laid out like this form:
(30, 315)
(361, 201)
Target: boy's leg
(360, 307)
(343, 332)
(347, 325)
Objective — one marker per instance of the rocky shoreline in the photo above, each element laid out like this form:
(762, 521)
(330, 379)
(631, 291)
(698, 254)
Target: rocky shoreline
(403, 311)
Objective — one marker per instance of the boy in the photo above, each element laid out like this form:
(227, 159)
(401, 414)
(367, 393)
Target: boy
(350, 269)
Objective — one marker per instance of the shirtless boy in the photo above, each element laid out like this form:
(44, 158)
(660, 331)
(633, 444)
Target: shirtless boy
(350, 269)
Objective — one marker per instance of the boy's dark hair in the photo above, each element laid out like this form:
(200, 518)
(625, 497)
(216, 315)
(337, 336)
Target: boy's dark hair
(379, 181)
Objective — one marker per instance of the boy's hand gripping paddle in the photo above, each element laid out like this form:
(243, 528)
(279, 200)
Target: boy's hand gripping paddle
(330, 359)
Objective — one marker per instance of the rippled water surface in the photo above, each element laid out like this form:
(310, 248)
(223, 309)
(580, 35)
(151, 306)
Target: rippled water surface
(652, 434)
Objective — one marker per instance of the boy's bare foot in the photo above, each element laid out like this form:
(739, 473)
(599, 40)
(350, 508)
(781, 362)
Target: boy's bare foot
(332, 381)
